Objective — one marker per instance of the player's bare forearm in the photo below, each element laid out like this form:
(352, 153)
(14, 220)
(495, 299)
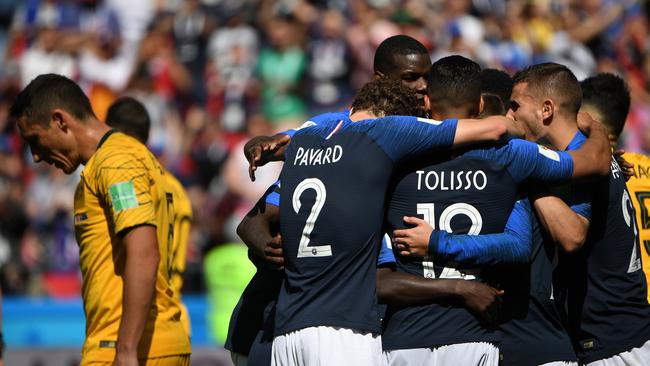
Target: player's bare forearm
(257, 231)
(263, 149)
(490, 129)
(140, 269)
(594, 157)
(567, 228)
(403, 289)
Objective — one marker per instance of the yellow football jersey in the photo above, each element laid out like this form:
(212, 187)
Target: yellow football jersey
(122, 186)
(639, 187)
(182, 225)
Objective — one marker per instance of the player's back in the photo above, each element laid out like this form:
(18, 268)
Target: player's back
(110, 198)
(471, 194)
(333, 191)
(639, 188)
(608, 308)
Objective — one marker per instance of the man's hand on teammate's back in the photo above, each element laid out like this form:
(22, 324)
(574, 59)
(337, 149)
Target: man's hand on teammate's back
(273, 254)
(263, 149)
(626, 167)
(415, 240)
(482, 300)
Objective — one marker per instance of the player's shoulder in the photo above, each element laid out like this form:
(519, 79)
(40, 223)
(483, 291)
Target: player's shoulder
(119, 148)
(641, 163)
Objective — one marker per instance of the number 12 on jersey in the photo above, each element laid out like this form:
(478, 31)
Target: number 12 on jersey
(428, 212)
(304, 250)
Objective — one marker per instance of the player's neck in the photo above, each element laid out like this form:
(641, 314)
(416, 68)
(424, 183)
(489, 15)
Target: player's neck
(361, 115)
(88, 137)
(561, 134)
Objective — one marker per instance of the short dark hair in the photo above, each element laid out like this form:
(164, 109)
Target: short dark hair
(454, 82)
(610, 96)
(549, 79)
(388, 97)
(47, 92)
(496, 88)
(396, 45)
(130, 116)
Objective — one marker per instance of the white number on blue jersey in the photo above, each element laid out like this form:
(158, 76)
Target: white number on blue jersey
(304, 250)
(635, 261)
(427, 210)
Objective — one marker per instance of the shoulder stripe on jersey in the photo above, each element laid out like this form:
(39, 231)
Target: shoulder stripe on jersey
(335, 130)
(429, 121)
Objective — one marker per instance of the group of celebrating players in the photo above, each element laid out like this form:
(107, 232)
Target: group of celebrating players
(412, 229)
(415, 230)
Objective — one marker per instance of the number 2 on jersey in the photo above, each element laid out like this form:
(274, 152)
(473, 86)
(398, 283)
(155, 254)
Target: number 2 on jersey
(628, 215)
(304, 250)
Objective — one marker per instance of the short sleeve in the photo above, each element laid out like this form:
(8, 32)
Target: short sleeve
(124, 183)
(273, 195)
(528, 159)
(386, 255)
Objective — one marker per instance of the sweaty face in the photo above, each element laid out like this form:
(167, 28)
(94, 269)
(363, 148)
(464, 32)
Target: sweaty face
(412, 70)
(527, 110)
(51, 145)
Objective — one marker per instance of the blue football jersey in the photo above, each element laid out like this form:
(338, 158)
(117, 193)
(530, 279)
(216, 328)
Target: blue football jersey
(608, 310)
(473, 193)
(334, 183)
(531, 322)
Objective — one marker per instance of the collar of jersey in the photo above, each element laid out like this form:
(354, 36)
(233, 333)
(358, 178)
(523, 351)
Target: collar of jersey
(106, 136)
(578, 140)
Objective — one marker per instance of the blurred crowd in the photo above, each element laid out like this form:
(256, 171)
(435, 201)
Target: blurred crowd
(213, 73)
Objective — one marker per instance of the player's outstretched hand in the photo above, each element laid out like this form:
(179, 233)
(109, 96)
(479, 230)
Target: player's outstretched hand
(626, 167)
(273, 254)
(262, 149)
(481, 299)
(415, 240)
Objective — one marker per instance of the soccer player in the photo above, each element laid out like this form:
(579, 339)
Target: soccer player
(400, 58)
(531, 325)
(608, 312)
(496, 87)
(122, 217)
(330, 245)
(130, 116)
(472, 193)
(607, 97)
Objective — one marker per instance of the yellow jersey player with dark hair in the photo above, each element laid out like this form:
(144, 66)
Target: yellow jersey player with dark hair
(123, 212)
(131, 117)
(607, 98)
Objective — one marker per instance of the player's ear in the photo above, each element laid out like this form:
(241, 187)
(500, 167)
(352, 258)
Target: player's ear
(548, 108)
(60, 119)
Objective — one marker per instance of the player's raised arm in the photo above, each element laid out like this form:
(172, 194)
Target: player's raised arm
(594, 157)
(262, 149)
(487, 129)
(511, 246)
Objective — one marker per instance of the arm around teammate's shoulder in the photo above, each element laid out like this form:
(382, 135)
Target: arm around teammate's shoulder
(492, 128)
(594, 157)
